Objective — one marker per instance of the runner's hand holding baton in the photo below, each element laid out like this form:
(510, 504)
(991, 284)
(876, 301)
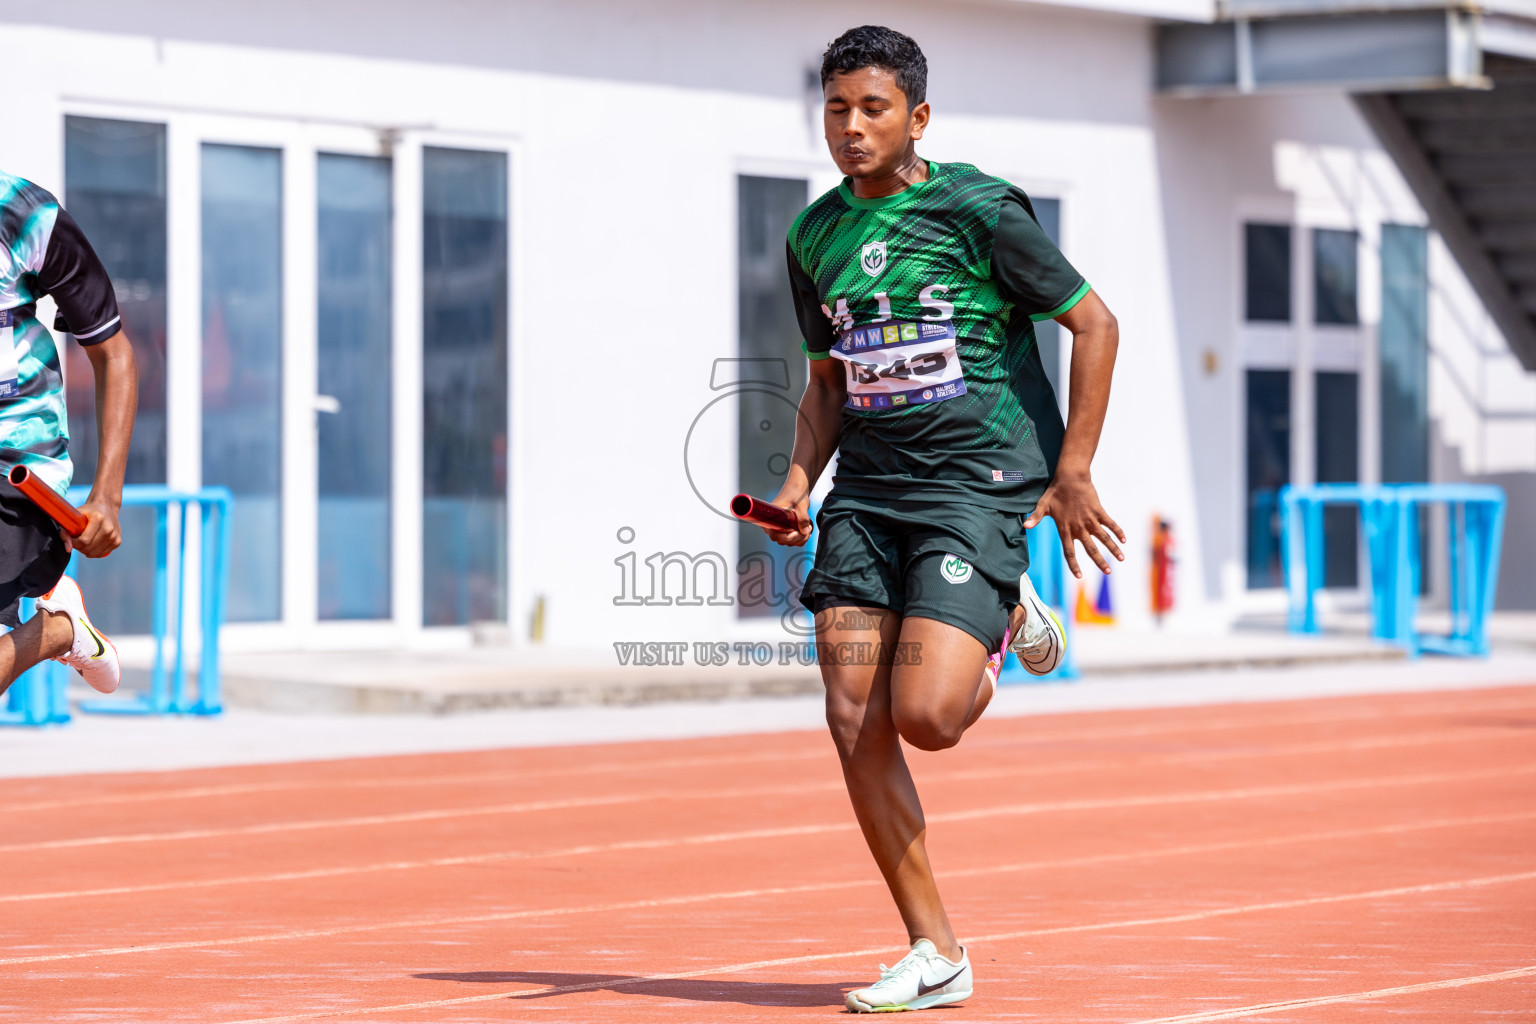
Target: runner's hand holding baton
(784, 524)
(70, 519)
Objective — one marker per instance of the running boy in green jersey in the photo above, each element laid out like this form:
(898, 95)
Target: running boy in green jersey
(917, 286)
(43, 252)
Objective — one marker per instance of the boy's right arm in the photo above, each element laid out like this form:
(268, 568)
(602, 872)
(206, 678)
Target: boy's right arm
(820, 415)
(73, 274)
(817, 426)
(117, 399)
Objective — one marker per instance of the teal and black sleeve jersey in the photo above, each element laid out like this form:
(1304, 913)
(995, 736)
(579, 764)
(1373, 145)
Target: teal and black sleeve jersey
(47, 255)
(928, 299)
(73, 275)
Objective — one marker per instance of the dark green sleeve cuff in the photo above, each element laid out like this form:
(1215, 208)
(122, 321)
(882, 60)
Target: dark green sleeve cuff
(1075, 298)
(814, 355)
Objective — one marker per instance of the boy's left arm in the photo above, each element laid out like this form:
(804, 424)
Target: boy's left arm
(1071, 500)
(117, 399)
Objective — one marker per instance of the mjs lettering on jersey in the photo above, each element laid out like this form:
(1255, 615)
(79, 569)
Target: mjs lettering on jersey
(895, 363)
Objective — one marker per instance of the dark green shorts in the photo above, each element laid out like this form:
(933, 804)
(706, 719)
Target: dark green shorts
(941, 560)
(32, 554)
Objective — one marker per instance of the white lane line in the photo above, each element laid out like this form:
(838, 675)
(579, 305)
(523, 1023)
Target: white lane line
(623, 846)
(742, 968)
(832, 785)
(1020, 866)
(1230, 754)
(406, 817)
(458, 779)
(1351, 997)
(1029, 743)
(1250, 792)
(629, 845)
(1239, 722)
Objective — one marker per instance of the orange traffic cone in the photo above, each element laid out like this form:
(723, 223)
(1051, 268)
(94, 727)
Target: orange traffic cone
(1095, 613)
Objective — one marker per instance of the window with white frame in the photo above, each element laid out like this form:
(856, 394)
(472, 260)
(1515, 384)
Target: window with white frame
(1302, 412)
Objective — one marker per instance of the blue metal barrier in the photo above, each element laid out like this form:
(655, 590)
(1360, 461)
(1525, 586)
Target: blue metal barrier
(1389, 514)
(168, 689)
(1048, 572)
(38, 697)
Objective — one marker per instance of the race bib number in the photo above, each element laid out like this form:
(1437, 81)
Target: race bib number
(897, 363)
(10, 365)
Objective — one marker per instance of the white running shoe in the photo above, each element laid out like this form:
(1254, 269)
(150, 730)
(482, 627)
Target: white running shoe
(919, 980)
(1041, 642)
(92, 655)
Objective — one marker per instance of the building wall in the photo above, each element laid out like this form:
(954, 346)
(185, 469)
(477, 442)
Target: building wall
(1484, 408)
(627, 128)
(1304, 160)
(1309, 160)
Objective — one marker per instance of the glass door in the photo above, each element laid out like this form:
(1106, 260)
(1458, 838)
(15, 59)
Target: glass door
(767, 333)
(1336, 393)
(242, 337)
(115, 186)
(353, 354)
(464, 386)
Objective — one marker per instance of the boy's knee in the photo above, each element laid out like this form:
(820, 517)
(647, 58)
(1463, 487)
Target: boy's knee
(856, 722)
(845, 720)
(927, 729)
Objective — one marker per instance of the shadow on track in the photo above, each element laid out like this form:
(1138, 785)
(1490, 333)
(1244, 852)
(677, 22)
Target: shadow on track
(705, 990)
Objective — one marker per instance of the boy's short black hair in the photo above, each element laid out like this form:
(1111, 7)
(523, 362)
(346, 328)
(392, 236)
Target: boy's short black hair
(875, 46)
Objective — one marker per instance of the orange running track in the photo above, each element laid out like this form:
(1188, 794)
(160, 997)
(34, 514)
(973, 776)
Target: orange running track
(1352, 859)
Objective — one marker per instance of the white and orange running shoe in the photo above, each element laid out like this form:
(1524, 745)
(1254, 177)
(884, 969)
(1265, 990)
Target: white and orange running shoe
(919, 980)
(92, 654)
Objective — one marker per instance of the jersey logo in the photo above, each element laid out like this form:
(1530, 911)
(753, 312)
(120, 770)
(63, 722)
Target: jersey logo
(872, 259)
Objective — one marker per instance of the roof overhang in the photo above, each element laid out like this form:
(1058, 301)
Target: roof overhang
(1450, 92)
(1351, 51)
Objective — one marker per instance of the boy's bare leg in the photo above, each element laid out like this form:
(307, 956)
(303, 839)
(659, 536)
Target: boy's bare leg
(935, 698)
(988, 688)
(43, 636)
(871, 706)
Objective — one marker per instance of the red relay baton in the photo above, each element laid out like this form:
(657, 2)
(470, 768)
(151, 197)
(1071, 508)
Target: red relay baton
(46, 498)
(750, 510)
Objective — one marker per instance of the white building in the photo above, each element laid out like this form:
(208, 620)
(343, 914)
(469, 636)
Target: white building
(440, 290)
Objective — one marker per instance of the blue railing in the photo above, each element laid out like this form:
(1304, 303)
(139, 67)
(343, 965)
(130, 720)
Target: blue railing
(1389, 514)
(38, 697)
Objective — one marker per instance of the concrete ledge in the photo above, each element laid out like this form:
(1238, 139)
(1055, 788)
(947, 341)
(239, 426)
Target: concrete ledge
(484, 679)
(112, 745)
(627, 687)
(1103, 653)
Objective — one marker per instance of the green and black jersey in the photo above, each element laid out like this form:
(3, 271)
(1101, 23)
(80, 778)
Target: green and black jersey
(928, 298)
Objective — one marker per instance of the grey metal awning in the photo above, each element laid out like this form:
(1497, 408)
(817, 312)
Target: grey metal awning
(1449, 92)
